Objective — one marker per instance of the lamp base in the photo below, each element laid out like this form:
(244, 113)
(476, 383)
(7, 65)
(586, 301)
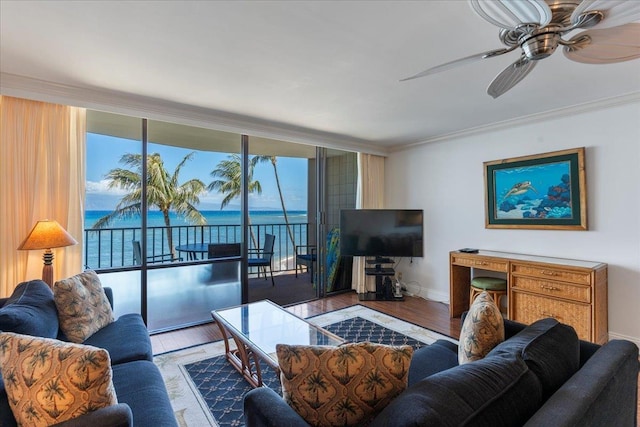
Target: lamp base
(47, 269)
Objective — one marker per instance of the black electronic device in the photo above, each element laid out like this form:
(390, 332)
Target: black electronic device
(468, 250)
(381, 232)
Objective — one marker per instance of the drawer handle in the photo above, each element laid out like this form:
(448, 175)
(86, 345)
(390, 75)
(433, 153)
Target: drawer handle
(481, 263)
(549, 288)
(548, 273)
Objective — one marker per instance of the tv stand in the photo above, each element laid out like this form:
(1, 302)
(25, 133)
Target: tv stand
(384, 284)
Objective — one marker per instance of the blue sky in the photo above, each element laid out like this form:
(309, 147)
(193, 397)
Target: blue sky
(104, 152)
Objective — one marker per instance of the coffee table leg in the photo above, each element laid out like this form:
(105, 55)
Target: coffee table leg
(240, 358)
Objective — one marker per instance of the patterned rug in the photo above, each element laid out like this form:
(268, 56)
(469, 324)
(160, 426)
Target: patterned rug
(206, 391)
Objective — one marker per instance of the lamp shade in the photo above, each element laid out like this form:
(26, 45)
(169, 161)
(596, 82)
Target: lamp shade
(47, 234)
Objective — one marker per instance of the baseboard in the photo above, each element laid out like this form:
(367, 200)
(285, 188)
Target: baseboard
(428, 294)
(614, 336)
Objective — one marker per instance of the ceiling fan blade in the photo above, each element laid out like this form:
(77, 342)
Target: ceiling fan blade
(616, 12)
(459, 62)
(605, 46)
(510, 14)
(510, 76)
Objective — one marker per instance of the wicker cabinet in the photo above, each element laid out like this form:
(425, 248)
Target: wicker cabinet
(572, 291)
(573, 295)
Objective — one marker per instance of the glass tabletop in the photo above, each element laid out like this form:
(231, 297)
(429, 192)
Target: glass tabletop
(265, 324)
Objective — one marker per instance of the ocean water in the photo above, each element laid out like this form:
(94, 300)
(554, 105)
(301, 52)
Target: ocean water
(155, 219)
(112, 247)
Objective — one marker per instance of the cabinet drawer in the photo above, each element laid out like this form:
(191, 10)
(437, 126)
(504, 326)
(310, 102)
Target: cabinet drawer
(527, 308)
(551, 273)
(554, 289)
(480, 262)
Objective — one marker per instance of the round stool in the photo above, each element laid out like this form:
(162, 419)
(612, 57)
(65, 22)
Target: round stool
(496, 287)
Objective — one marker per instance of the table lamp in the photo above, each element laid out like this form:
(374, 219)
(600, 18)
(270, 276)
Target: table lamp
(47, 234)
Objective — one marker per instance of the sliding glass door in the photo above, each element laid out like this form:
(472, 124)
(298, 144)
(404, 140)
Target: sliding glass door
(182, 220)
(279, 221)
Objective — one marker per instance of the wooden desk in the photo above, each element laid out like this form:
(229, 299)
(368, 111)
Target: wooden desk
(572, 291)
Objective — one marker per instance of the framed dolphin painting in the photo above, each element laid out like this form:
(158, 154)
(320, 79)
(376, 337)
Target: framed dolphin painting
(542, 191)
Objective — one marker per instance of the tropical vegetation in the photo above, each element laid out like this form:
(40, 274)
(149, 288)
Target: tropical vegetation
(164, 191)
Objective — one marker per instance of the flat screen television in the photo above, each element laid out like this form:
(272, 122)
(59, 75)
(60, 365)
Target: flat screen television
(381, 232)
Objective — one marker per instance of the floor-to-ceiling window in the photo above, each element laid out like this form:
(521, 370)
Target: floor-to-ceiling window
(166, 234)
(193, 210)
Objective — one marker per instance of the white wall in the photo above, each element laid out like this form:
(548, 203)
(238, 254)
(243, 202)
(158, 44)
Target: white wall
(445, 179)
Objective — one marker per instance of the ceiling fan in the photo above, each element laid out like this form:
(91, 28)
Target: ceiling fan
(537, 27)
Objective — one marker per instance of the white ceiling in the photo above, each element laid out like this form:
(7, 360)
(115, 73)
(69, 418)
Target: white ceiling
(314, 69)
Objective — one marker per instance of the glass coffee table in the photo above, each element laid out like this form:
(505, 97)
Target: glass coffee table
(256, 328)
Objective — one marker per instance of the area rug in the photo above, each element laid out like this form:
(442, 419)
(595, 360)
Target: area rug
(206, 391)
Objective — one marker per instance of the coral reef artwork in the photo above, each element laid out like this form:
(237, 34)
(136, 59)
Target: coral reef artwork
(522, 192)
(555, 204)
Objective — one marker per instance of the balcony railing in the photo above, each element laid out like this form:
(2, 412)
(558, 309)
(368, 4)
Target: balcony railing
(107, 248)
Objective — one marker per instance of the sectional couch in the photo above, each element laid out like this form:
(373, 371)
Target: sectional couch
(541, 375)
(140, 390)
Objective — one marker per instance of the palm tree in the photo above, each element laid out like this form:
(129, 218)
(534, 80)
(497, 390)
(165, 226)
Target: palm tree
(372, 381)
(315, 384)
(345, 355)
(53, 391)
(229, 183)
(345, 409)
(163, 191)
(287, 356)
(274, 161)
(398, 357)
(39, 358)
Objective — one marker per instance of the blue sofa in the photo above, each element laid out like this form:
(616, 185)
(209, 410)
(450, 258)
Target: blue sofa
(541, 375)
(142, 395)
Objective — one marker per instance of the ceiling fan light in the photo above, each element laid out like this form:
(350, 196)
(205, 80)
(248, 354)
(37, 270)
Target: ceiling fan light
(511, 14)
(616, 12)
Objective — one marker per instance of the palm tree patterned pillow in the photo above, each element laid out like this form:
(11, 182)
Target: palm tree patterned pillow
(483, 329)
(342, 386)
(83, 307)
(49, 381)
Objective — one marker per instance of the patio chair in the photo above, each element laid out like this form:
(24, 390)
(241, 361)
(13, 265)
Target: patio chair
(137, 256)
(264, 257)
(306, 256)
(223, 250)
(224, 271)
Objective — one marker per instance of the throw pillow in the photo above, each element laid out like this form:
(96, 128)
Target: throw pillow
(30, 310)
(83, 307)
(482, 329)
(342, 386)
(49, 381)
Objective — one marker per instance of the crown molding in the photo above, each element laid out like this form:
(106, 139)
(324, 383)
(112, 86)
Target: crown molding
(162, 110)
(600, 104)
(158, 109)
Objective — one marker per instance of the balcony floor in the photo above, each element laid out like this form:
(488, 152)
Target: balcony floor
(287, 290)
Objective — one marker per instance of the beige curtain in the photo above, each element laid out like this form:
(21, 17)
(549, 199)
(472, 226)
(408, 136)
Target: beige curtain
(369, 195)
(42, 176)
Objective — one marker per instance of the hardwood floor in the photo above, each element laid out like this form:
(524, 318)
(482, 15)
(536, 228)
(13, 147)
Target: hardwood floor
(428, 314)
